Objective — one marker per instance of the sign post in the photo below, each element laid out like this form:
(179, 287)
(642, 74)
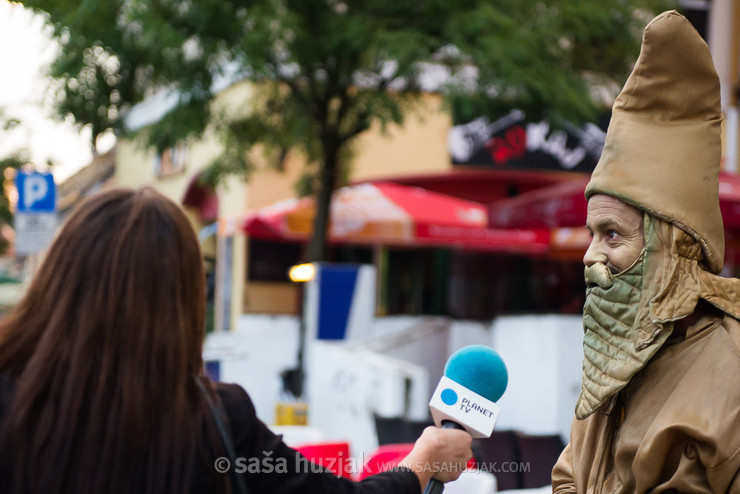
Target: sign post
(36, 215)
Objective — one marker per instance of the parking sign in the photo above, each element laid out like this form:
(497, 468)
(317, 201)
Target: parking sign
(36, 192)
(35, 216)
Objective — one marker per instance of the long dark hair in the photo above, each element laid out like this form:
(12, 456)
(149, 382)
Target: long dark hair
(104, 352)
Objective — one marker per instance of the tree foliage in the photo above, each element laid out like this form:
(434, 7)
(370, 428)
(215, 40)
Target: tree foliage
(327, 70)
(13, 161)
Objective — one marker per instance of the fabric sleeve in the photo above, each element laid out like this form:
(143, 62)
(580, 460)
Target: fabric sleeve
(726, 476)
(269, 465)
(562, 474)
(735, 483)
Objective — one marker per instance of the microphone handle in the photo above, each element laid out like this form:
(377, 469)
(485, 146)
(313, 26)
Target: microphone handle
(435, 486)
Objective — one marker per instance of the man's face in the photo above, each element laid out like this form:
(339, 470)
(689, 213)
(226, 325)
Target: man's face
(616, 233)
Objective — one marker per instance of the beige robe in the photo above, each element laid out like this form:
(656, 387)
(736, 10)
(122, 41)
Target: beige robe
(674, 428)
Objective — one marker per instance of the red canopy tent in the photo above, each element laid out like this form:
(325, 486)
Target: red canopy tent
(562, 208)
(392, 214)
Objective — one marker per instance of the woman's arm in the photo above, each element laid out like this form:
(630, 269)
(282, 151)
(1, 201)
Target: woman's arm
(442, 454)
(271, 466)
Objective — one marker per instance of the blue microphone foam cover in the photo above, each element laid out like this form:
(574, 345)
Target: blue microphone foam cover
(480, 369)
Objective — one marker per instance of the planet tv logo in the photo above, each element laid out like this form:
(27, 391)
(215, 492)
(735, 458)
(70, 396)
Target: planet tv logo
(449, 397)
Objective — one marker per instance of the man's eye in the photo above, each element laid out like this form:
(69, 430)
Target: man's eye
(611, 234)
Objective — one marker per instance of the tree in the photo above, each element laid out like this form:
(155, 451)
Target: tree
(329, 69)
(13, 160)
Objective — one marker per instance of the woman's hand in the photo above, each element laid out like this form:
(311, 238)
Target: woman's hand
(439, 453)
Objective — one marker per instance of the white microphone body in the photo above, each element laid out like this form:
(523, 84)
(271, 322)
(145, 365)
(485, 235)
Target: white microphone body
(454, 402)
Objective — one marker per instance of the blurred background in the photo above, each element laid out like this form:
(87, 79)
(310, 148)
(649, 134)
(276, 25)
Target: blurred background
(428, 159)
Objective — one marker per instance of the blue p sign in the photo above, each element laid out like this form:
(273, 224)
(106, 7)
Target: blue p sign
(36, 192)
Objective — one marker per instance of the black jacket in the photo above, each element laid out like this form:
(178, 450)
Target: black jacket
(265, 462)
(259, 448)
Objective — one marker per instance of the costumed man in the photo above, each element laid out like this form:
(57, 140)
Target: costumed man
(659, 409)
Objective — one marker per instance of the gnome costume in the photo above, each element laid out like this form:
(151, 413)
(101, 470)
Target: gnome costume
(658, 411)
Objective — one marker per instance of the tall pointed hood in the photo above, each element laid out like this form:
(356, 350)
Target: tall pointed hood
(662, 151)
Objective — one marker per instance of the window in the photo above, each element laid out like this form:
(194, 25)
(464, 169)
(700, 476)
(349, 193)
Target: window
(351, 254)
(477, 285)
(171, 161)
(483, 285)
(697, 12)
(415, 281)
(270, 261)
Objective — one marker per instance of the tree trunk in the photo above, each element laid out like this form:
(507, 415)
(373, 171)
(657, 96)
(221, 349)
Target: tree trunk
(328, 178)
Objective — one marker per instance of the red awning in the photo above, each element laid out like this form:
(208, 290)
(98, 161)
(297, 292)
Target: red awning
(559, 205)
(392, 214)
(483, 185)
(562, 207)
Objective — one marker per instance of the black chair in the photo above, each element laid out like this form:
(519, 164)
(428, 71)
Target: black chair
(538, 454)
(499, 455)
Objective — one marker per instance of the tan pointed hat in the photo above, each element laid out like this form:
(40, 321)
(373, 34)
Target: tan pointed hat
(663, 146)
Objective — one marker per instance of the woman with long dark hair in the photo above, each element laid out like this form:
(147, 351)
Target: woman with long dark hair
(101, 376)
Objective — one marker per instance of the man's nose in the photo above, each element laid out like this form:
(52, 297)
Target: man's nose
(594, 254)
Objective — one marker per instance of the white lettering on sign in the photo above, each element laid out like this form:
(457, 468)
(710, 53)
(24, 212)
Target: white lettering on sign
(555, 145)
(33, 231)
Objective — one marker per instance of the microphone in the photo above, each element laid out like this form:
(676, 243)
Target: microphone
(475, 377)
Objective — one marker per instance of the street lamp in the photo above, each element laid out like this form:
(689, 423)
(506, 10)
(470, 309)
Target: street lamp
(293, 378)
(302, 272)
